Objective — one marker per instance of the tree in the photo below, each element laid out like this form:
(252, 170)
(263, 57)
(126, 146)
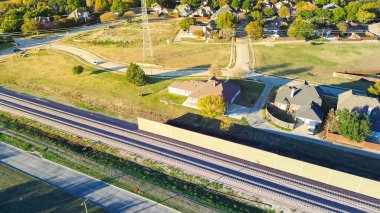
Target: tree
(268, 12)
(338, 14)
(246, 5)
(192, 3)
(235, 4)
(31, 27)
(136, 75)
(257, 16)
(225, 124)
(284, 12)
(12, 21)
(227, 33)
(342, 27)
(353, 127)
(225, 20)
(211, 106)
(331, 123)
(322, 2)
(118, 6)
(306, 14)
(351, 9)
(223, 2)
(74, 4)
(254, 30)
(77, 70)
(185, 23)
(129, 15)
(214, 70)
(375, 90)
(100, 6)
(301, 29)
(107, 17)
(321, 16)
(364, 16)
(215, 3)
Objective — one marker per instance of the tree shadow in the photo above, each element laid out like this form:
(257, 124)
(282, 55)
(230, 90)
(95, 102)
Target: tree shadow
(99, 71)
(191, 72)
(362, 85)
(292, 71)
(272, 67)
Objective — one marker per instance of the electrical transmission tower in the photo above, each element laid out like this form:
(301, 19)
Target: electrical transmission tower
(147, 42)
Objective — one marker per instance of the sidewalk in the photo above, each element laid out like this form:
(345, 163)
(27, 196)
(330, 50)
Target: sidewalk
(100, 193)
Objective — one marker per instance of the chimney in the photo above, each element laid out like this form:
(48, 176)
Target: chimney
(292, 92)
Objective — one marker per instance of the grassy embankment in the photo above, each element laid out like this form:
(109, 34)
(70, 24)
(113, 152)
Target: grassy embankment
(21, 193)
(166, 185)
(317, 63)
(124, 45)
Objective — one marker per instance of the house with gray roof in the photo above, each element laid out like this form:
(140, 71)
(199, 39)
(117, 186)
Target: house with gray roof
(183, 10)
(198, 89)
(362, 105)
(303, 102)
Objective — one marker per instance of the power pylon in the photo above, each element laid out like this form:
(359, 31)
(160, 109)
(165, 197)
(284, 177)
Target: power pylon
(147, 42)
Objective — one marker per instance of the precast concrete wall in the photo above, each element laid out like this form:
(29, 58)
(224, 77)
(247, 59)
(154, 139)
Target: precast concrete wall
(318, 173)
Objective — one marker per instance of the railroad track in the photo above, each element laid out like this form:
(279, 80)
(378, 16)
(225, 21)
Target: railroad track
(197, 160)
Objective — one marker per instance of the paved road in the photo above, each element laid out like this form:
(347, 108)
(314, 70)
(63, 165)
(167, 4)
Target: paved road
(242, 55)
(100, 193)
(250, 179)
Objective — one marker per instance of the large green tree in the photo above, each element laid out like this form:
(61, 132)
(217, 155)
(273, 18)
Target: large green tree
(338, 14)
(31, 27)
(225, 20)
(74, 4)
(211, 106)
(254, 30)
(365, 16)
(268, 12)
(235, 4)
(353, 127)
(351, 9)
(119, 6)
(12, 21)
(284, 12)
(301, 29)
(192, 3)
(186, 22)
(101, 5)
(136, 75)
(246, 5)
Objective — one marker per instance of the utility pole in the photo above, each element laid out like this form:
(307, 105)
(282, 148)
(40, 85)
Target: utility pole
(147, 42)
(84, 204)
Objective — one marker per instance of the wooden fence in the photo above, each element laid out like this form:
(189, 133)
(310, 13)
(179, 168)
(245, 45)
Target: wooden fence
(276, 120)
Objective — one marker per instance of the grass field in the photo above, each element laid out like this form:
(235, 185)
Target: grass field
(21, 193)
(250, 92)
(317, 63)
(124, 44)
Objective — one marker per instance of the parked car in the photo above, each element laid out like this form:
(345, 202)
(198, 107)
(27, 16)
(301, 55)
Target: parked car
(312, 128)
(16, 50)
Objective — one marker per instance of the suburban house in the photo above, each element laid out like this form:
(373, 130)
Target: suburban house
(159, 9)
(363, 105)
(221, 10)
(79, 14)
(272, 26)
(303, 101)
(194, 28)
(183, 10)
(204, 11)
(198, 89)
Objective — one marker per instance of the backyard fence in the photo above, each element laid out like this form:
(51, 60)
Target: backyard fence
(275, 120)
(355, 77)
(314, 172)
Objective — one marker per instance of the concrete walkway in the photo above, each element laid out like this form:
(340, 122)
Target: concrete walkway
(100, 193)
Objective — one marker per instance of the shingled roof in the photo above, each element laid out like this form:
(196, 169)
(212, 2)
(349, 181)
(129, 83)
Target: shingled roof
(311, 111)
(304, 94)
(362, 105)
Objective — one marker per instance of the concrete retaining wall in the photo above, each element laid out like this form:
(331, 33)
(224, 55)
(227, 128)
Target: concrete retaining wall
(296, 167)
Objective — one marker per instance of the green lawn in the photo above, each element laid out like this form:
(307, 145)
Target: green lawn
(21, 193)
(317, 63)
(250, 92)
(48, 74)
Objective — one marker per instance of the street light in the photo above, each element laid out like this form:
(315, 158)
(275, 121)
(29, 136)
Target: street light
(84, 204)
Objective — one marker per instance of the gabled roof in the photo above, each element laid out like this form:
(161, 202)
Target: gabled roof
(304, 94)
(187, 85)
(311, 111)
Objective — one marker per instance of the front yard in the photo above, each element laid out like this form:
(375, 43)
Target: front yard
(317, 63)
(250, 92)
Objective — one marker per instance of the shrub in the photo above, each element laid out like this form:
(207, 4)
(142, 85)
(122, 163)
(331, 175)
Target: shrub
(352, 126)
(31, 26)
(214, 70)
(198, 33)
(185, 23)
(77, 70)
(107, 17)
(66, 23)
(136, 75)
(211, 106)
(129, 15)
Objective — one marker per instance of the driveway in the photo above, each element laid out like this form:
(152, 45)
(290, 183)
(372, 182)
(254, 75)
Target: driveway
(100, 193)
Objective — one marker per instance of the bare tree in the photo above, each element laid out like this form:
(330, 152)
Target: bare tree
(214, 70)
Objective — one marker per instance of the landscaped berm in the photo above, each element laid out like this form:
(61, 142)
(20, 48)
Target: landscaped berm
(21, 193)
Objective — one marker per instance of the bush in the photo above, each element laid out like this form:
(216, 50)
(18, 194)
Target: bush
(185, 23)
(352, 126)
(301, 29)
(66, 23)
(214, 70)
(107, 17)
(78, 69)
(198, 33)
(136, 75)
(129, 15)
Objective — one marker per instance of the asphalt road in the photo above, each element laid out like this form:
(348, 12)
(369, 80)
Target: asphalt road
(100, 193)
(250, 179)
